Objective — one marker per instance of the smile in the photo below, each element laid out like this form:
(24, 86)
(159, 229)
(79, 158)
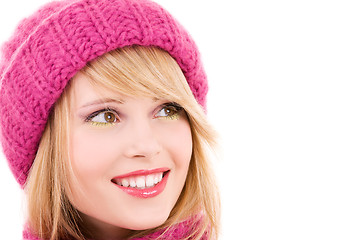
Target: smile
(143, 183)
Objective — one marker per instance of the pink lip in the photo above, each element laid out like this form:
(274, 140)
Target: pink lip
(146, 192)
(142, 172)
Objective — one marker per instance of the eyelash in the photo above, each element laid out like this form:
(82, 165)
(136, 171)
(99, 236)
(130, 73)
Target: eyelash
(97, 113)
(175, 107)
(174, 116)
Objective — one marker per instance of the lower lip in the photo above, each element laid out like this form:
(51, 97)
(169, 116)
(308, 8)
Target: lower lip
(147, 192)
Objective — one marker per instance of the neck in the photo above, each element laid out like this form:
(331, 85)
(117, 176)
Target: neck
(97, 230)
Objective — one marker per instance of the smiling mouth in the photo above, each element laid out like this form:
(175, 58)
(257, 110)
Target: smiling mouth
(140, 181)
(143, 183)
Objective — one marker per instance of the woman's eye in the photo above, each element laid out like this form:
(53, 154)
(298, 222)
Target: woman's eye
(169, 111)
(103, 117)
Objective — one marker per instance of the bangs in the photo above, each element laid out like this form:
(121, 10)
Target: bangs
(141, 72)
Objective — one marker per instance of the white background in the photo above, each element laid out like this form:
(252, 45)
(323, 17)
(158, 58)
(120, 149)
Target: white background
(284, 95)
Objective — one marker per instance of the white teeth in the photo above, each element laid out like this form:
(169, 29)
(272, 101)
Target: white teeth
(125, 182)
(149, 180)
(140, 181)
(132, 182)
(156, 179)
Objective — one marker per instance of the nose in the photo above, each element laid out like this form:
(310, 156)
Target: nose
(142, 141)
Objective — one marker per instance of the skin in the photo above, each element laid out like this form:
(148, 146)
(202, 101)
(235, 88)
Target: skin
(142, 137)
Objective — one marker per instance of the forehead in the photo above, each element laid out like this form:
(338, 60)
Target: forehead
(132, 73)
(82, 90)
(84, 93)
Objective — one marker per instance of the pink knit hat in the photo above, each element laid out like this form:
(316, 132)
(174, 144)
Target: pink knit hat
(49, 47)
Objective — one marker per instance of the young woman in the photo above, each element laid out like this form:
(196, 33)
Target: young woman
(102, 121)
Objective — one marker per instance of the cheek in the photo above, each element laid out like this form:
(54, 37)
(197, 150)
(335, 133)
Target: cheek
(91, 160)
(178, 142)
(84, 158)
(89, 153)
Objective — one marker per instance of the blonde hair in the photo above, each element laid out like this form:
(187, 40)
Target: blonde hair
(134, 71)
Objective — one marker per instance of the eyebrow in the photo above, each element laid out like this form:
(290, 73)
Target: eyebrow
(108, 100)
(102, 101)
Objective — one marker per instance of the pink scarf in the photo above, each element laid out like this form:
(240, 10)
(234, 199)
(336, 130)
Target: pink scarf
(179, 231)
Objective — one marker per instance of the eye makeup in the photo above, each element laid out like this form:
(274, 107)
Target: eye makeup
(170, 111)
(109, 116)
(103, 117)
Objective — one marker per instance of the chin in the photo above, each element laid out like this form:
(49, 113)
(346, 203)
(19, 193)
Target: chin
(147, 222)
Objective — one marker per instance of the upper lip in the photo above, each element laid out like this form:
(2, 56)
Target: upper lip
(142, 172)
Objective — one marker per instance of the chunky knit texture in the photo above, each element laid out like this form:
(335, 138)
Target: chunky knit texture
(181, 230)
(48, 48)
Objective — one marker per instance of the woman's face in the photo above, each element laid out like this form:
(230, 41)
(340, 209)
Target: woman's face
(130, 158)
